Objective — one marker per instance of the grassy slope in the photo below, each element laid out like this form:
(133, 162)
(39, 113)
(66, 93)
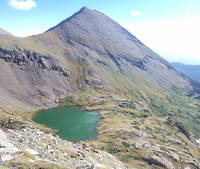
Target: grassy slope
(135, 129)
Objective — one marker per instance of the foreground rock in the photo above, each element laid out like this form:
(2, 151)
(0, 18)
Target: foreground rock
(30, 146)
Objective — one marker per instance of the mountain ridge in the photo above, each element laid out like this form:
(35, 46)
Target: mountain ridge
(86, 42)
(192, 71)
(92, 13)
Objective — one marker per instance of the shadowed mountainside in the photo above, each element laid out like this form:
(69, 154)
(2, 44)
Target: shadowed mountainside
(192, 71)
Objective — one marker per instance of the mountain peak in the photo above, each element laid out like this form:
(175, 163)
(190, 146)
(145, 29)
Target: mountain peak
(85, 9)
(94, 29)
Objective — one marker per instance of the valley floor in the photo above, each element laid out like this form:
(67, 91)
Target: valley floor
(139, 134)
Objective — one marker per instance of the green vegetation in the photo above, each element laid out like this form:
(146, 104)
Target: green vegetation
(180, 109)
(132, 130)
(3, 167)
(126, 144)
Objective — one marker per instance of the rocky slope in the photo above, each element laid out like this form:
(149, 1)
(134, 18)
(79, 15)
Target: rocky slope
(87, 50)
(29, 78)
(150, 133)
(25, 146)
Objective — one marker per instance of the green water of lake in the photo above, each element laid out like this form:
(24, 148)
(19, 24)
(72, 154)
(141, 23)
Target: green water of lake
(72, 123)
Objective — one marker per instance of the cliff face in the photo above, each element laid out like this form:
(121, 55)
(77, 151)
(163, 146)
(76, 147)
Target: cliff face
(87, 50)
(29, 79)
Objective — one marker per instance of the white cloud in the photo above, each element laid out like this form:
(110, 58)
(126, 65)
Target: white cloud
(175, 39)
(23, 4)
(136, 13)
(28, 31)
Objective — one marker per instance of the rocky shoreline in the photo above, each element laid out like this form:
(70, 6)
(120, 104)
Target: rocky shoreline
(30, 145)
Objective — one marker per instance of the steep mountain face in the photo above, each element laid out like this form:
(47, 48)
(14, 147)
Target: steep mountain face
(87, 50)
(90, 30)
(30, 79)
(192, 71)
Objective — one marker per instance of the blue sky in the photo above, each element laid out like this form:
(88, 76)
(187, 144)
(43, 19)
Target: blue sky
(170, 27)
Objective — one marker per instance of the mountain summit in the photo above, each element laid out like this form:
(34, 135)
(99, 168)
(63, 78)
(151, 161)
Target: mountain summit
(91, 30)
(86, 51)
(97, 31)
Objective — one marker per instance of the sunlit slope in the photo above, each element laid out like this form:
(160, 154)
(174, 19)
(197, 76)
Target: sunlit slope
(86, 51)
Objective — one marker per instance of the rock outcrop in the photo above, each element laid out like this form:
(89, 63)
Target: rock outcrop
(32, 146)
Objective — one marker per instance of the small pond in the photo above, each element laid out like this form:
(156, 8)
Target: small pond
(71, 123)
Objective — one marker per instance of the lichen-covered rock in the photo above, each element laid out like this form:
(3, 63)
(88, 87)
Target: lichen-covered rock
(31, 145)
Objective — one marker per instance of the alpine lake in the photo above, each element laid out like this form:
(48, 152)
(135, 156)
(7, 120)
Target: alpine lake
(71, 123)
